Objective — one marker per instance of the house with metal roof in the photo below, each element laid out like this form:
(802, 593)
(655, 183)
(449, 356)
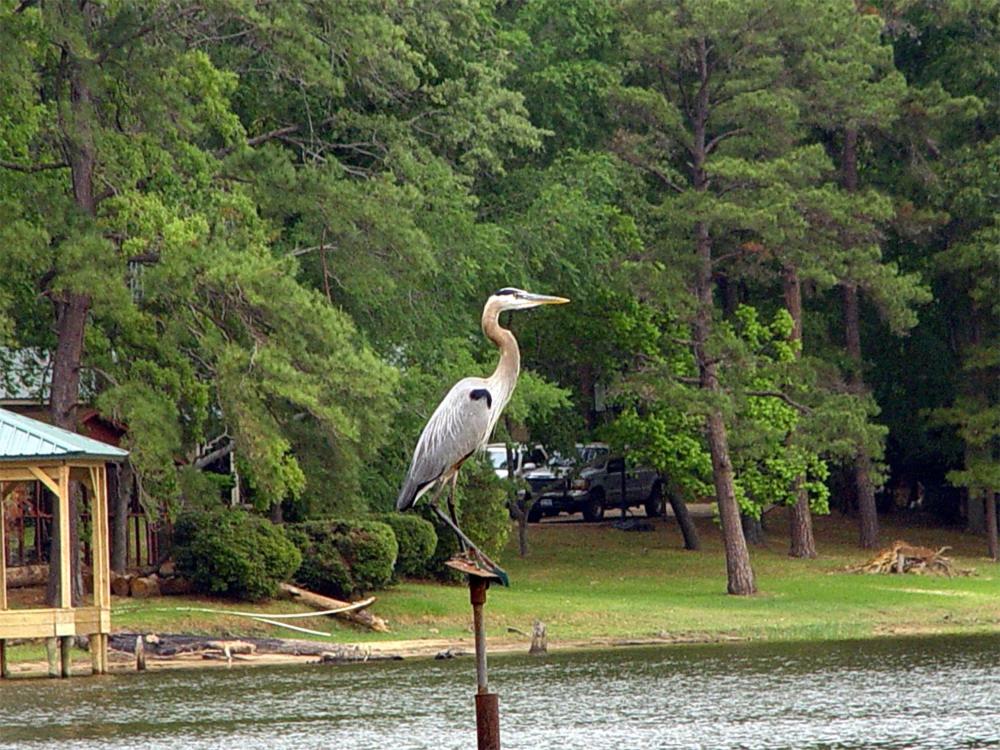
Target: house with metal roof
(31, 451)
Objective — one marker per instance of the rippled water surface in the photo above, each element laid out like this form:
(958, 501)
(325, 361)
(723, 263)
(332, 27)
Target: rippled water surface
(912, 693)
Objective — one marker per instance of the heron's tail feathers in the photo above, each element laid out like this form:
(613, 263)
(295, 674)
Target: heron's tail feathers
(409, 494)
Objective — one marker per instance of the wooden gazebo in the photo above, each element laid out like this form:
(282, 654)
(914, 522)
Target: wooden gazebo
(35, 451)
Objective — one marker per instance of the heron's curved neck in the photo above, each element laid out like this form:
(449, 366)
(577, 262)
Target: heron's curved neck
(510, 355)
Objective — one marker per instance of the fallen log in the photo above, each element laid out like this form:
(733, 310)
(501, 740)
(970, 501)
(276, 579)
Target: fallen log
(353, 611)
(144, 587)
(120, 584)
(165, 645)
(22, 576)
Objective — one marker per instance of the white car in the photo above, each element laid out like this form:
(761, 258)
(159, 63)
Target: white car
(525, 459)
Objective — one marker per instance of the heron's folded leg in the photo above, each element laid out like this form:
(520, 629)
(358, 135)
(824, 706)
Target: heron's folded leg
(451, 508)
(463, 540)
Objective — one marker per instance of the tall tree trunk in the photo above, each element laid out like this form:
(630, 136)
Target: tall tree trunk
(120, 495)
(975, 522)
(738, 570)
(520, 508)
(990, 500)
(867, 511)
(753, 529)
(802, 543)
(72, 307)
(688, 530)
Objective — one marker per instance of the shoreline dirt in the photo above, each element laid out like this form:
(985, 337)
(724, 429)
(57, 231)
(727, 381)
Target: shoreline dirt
(122, 661)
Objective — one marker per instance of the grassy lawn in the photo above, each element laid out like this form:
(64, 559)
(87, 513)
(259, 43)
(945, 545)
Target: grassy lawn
(591, 582)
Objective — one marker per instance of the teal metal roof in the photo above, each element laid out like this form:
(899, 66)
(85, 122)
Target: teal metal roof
(22, 437)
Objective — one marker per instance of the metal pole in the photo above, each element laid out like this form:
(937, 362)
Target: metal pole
(487, 703)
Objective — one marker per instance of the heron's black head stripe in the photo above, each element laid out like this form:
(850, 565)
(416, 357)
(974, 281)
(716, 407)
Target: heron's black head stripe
(479, 393)
(504, 291)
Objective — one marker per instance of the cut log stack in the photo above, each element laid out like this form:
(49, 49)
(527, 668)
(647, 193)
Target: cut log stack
(23, 576)
(162, 581)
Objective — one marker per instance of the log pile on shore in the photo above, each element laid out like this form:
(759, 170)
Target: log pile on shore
(168, 646)
(903, 557)
(157, 581)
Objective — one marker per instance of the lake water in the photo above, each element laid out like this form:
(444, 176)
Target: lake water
(937, 694)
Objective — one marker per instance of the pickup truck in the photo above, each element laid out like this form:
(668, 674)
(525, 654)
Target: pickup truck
(592, 485)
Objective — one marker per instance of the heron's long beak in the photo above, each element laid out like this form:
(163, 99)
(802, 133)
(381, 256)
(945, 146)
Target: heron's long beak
(544, 299)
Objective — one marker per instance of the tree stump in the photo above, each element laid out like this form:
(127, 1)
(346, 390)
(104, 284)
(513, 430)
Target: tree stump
(539, 640)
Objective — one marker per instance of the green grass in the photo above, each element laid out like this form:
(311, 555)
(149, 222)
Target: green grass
(592, 582)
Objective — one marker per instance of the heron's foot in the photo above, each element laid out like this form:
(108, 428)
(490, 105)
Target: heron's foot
(478, 559)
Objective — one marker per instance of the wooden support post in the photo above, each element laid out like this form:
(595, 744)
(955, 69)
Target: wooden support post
(65, 655)
(140, 654)
(100, 561)
(487, 703)
(52, 655)
(3, 555)
(4, 668)
(65, 548)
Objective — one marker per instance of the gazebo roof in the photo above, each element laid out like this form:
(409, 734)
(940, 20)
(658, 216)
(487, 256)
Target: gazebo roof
(23, 438)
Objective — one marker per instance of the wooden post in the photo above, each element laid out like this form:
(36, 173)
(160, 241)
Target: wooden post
(65, 551)
(100, 563)
(52, 655)
(3, 554)
(487, 703)
(65, 655)
(140, 654)
(4, 673)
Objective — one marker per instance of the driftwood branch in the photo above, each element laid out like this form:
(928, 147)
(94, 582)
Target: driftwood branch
(357, 616)
(903, 557)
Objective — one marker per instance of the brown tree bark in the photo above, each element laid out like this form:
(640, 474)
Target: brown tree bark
(120, 496)
(802, 542)
(867, 511)
(72, 307)
(688, 530)
(989, 498)
(753, 530)
(738, 570)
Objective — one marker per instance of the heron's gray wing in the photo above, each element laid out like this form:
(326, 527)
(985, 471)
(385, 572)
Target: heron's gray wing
(456, 429)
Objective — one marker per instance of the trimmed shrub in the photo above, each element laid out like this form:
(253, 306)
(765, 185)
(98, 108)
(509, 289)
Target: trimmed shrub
(345, 558)
(233, 553)
(417, 541)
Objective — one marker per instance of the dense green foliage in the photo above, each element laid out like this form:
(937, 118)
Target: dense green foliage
(416, 539)
(274, 225)
(344, 558)
(233, 553)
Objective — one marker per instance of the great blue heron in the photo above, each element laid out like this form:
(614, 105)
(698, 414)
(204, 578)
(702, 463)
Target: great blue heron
(464, 420)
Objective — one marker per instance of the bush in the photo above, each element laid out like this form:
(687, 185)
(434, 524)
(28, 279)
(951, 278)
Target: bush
(417, 541)
(233, 553)
(345, 558)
